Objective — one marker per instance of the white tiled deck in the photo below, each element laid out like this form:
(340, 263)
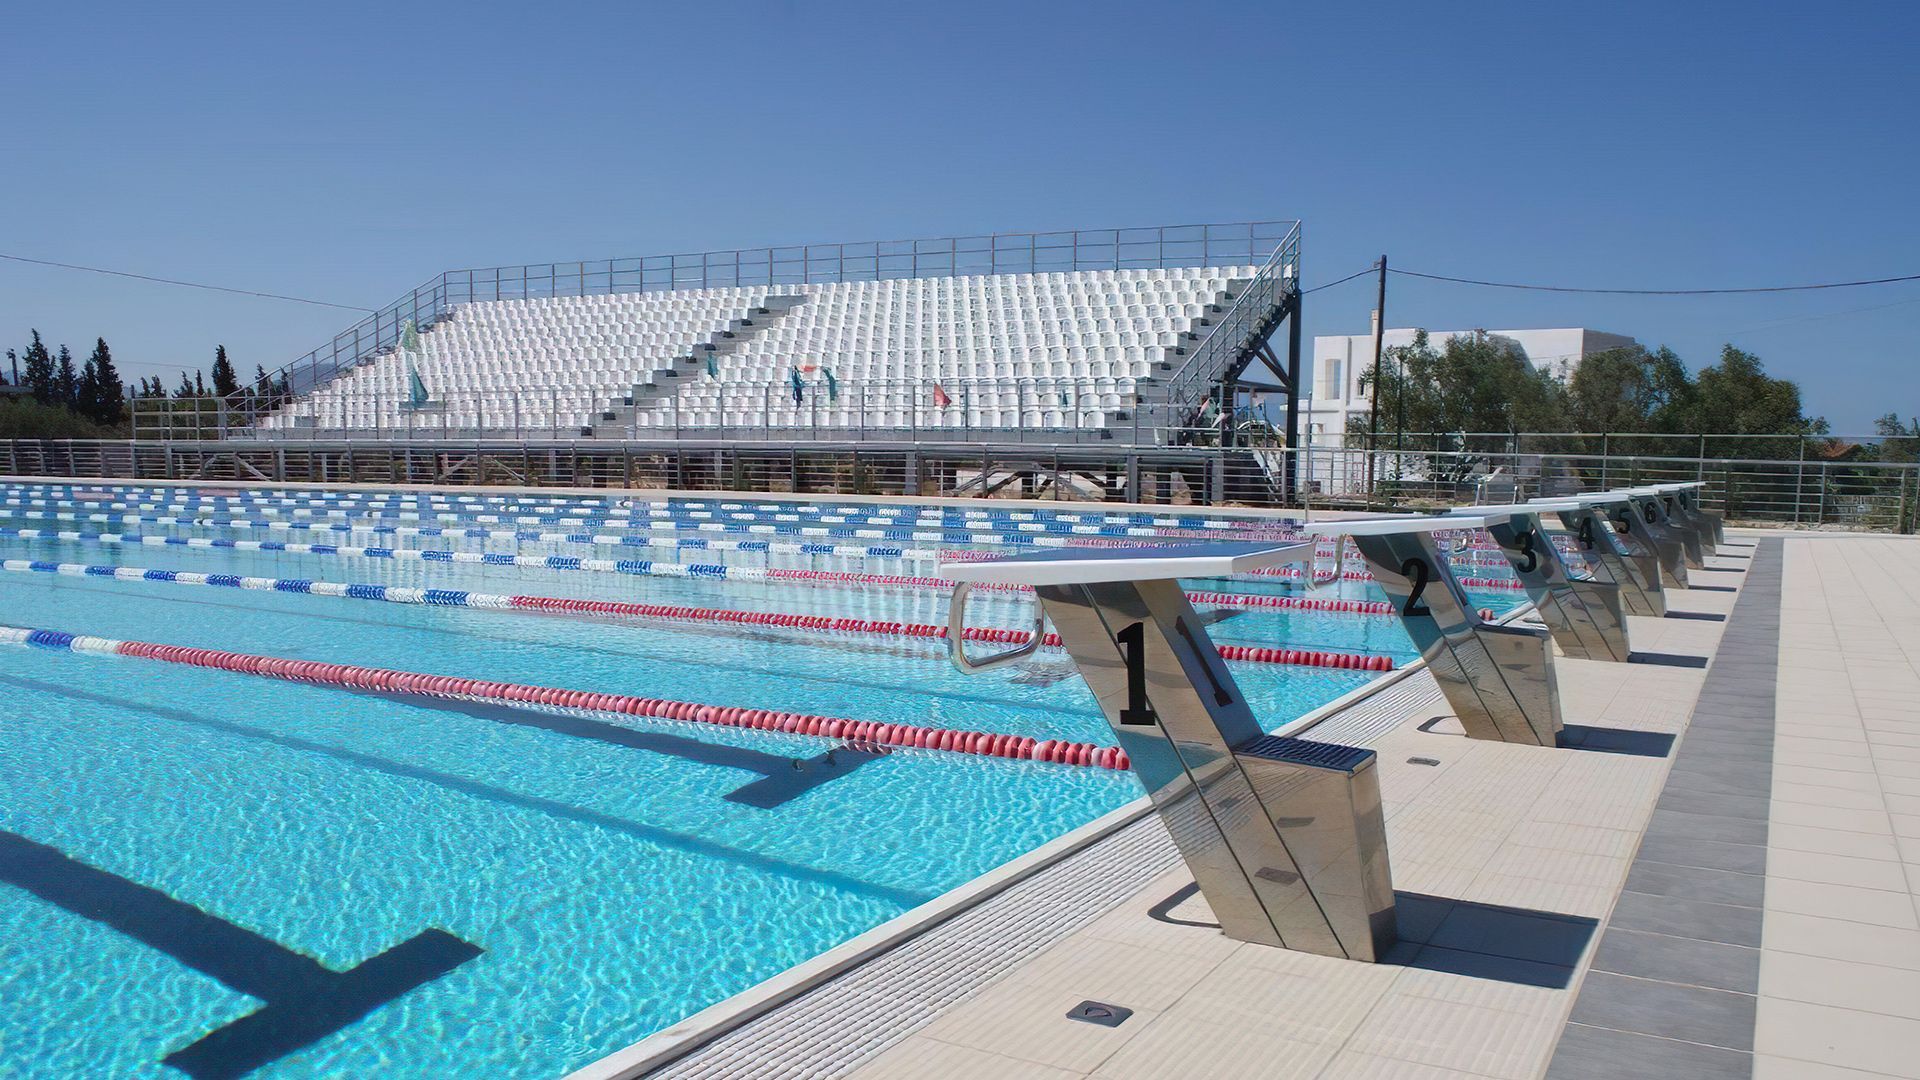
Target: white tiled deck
(1762, 921)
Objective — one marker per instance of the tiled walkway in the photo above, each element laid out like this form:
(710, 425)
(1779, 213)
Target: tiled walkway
(1840, 944)
(1672, 986)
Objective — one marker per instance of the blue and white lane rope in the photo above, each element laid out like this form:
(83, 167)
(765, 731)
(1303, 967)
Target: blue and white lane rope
(548, 515)
(576, 506)
(669, 543)
(395, 594)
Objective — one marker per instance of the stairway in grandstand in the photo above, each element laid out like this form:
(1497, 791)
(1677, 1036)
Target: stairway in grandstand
(1073, 353)
(1065, 352)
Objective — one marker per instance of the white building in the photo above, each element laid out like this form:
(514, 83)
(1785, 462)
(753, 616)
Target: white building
(1340, 361)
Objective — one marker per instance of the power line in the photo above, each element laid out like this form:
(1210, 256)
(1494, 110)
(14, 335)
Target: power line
(1356, 274)
(183, 284)
(1657, 292)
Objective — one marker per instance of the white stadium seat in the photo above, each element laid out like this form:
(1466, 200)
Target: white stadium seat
(1054, 350)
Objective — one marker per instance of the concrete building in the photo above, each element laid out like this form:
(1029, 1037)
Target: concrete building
(1340, 361)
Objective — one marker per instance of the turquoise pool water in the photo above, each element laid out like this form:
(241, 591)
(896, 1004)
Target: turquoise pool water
(594, 888)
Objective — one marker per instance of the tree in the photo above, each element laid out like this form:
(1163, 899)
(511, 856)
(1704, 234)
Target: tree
(66, 380)
(1737, 397)
(225, 382)
(39, 376)
(13, 361)
(106, 404)
(185, 389)
(1472, 383)
(87, 389)
(1623, 390)
(1900, 441)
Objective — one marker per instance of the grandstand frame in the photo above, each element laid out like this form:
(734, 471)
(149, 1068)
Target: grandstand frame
(1202, 388)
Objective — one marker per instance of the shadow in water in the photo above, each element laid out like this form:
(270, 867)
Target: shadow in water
(1463, 937)
(1605, 740)
(304, 1000)
(1659, 659)
(766, 864)
(782, 778)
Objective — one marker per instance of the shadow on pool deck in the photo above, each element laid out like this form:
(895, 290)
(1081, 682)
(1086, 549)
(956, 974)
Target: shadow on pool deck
(1463, 937)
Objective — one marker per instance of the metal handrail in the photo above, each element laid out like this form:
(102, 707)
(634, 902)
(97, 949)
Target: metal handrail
(1239, 325)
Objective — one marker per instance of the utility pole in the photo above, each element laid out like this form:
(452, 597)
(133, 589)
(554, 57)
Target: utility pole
(1373, 407)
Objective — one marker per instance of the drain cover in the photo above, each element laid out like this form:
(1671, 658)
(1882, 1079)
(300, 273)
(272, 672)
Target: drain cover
(1096, 1012)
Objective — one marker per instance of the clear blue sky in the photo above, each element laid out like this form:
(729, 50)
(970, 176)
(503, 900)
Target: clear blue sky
(348, 152)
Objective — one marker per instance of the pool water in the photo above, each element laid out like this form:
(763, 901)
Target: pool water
(578, 888)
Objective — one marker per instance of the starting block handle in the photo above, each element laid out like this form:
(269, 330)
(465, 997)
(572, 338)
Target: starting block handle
(957, 638)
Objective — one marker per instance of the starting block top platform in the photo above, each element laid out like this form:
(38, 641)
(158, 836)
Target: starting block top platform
(1480, 518)
(1090, 566)
(1552, 505)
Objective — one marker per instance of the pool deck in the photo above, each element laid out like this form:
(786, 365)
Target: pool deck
(1715, 878)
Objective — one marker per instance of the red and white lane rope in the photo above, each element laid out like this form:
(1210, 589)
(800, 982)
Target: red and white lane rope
(384, 680)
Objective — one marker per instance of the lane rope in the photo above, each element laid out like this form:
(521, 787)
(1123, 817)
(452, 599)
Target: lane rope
(385, 680)
(396, 594)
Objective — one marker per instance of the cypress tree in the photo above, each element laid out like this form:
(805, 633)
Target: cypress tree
(185, 389)
(108, 400)
(67, 380)
(40, 371)
(225, 383)
(13, 360)
(86, 392)
(199, 385)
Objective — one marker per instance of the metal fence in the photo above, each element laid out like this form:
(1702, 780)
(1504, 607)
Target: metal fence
(1857, 494)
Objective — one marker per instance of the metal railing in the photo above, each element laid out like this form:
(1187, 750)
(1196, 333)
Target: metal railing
(1862, 495)
(1246, 323)
(1152, 247)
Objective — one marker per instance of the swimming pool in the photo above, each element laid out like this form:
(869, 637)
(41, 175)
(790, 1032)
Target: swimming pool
(552, 885)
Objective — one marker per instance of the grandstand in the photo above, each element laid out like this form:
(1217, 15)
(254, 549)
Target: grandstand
(1127, 335)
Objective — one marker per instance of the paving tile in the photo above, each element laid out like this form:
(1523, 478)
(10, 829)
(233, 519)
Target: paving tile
(1847, 902)
(1522, 935)
(1845, 984)
(1833, 817)
(1491, 1042)
(1768, 1067)
(1031, 1024)
(1132, 975)
(1752, 807)
(1669, 1011)
(1835, 869)
(1843, 1037)
(1686, 961)
(1230, 1051)
(1688, 918)
(1695, 883)
(1672, 823)
(1349, 1065)
(1587, 1053)
(1833, 841)
(921, 1058)
(1705, 854)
